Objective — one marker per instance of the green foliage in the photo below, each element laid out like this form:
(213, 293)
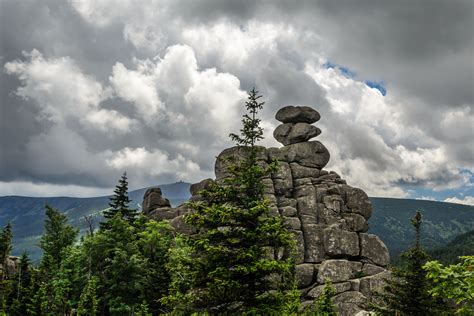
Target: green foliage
(54, 288)
(323, 305)
(407, 291)
(124, 266)
(20, 296)
(58, 236)
(182, 275)
(88, 300)
(115, 258)
(454, 282)
(154, 241)
(119, 203)
(231, 261)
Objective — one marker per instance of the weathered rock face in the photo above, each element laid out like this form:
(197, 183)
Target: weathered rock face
(327, 217)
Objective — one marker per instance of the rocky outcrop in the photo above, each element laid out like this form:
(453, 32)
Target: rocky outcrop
(327, 216)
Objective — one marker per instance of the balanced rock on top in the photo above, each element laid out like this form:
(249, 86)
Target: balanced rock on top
(297, 114)
(296, 127)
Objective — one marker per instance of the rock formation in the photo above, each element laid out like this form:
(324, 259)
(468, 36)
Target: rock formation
(327, 217)
(11, 267)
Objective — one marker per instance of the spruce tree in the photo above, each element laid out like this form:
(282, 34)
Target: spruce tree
(58, 236)
(5, 248)
(113, 256)
(119, 203)
(53, 286)
(231, 263)
(407, 291)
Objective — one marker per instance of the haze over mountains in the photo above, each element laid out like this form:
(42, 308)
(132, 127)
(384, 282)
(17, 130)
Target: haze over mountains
(390, 220)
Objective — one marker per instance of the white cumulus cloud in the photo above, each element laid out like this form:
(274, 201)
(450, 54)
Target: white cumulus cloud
(467, 200)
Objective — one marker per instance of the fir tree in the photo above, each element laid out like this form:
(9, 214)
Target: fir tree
(54, 288)
(119, 203)
(88, 302)
(58, 236)
(231, 263)
(407, 291)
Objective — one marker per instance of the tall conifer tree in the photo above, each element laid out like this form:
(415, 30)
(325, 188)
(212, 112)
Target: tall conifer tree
(232, 264)
(119, 203)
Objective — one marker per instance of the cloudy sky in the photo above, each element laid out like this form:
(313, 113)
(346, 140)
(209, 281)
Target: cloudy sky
(89, 89)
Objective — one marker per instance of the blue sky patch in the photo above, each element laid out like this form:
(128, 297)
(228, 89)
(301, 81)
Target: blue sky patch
(377, 85)
(416, 192)
(348, 73)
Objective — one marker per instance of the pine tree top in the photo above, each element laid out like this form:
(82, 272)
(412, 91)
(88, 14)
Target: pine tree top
(251, 131)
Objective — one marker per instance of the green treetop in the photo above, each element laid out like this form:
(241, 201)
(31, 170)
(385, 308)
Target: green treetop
(58, 236)
(119, 203)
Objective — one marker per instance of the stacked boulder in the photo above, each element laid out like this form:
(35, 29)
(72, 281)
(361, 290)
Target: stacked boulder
(327, 217)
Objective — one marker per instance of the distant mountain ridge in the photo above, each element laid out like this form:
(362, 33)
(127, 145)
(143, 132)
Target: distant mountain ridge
(390, 219)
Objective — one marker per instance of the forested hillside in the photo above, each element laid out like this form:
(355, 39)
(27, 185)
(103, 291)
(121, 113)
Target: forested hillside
(442, 222)
(462, 245)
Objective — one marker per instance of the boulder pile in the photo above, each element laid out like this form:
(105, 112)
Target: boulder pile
(327, 217)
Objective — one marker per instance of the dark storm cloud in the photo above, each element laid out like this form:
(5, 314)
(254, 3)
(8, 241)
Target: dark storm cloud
(421, 46)
(54, 28)
(422, 50)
